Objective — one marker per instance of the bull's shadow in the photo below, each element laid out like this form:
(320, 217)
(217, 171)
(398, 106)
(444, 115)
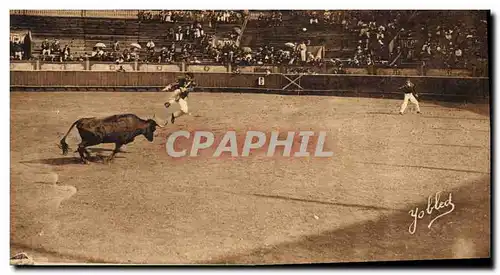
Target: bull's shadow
(55, 161)
(100, 150)
(68, 160)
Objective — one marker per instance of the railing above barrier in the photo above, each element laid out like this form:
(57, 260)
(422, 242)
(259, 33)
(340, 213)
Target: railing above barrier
(131, 14)
(175, 67)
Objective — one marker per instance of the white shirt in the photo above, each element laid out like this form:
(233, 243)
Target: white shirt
(302, 47)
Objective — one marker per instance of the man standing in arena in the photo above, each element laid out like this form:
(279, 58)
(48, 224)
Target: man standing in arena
(181, 91)
(410, 94)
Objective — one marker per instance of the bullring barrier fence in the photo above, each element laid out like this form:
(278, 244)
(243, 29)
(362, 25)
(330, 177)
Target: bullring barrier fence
(452, 88)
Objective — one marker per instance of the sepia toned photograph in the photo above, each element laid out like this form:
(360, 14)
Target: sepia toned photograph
(249, 137)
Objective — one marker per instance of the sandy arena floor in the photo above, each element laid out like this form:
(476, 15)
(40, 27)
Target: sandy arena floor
(146, 207)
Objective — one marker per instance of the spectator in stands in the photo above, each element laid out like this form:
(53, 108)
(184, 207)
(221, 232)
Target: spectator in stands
(171, 34)
(168, 16)
(448, 35)
(140, 15)
(126, 55)
(148, 15)
(303, 50)
(178, 34)
(55, 49)
(187, 32)
(12, 51)
(106, 56)
(458, 56)
(66, 53)
(219, 17)
(330, 18)
(197, 33)
(150, 47)
(120, 60)
(45, 48)
(18, 49)
(313, 19)
(116, 46)
(261, 19)
(93, 54)
(98, 54)
(200, 27)
(195, 60)
(161, 16)
(164, 55)
(426, 49)
(279, 19)
(134, 54)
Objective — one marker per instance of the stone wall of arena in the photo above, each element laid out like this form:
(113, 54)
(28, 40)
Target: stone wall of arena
(140, 77)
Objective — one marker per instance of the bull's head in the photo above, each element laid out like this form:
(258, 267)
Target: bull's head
(151, 128)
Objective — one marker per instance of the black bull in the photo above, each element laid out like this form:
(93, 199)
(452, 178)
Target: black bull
(117, 129)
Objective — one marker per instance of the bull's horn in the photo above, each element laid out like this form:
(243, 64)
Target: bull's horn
(157, 124)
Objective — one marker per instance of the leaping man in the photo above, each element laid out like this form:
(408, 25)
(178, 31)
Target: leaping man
(181, 90)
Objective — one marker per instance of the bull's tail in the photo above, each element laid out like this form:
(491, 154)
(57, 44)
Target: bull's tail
(64, 146)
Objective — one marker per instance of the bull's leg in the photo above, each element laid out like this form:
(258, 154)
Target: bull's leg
(89, 138)
(84, 154)
(87, 153)
(82, 149)
(117, 149)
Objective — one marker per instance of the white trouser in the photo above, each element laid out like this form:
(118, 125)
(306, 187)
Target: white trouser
(412, 99)
(182, 104)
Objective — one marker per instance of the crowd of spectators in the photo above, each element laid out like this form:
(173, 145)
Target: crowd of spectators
(187, 40)
(191, 40)
(16, 49)
(53, 51)
(377, 35)
(290, 54)
(175, 52)
(311, 17)
(391, 37)
(318, 17)
(450, 45)
(382, 38)
(205, 16)
(271, 19)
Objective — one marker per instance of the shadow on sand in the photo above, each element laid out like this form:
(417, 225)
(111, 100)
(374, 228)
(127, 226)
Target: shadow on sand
(101, 150)
(463, 233)
(67, 160)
